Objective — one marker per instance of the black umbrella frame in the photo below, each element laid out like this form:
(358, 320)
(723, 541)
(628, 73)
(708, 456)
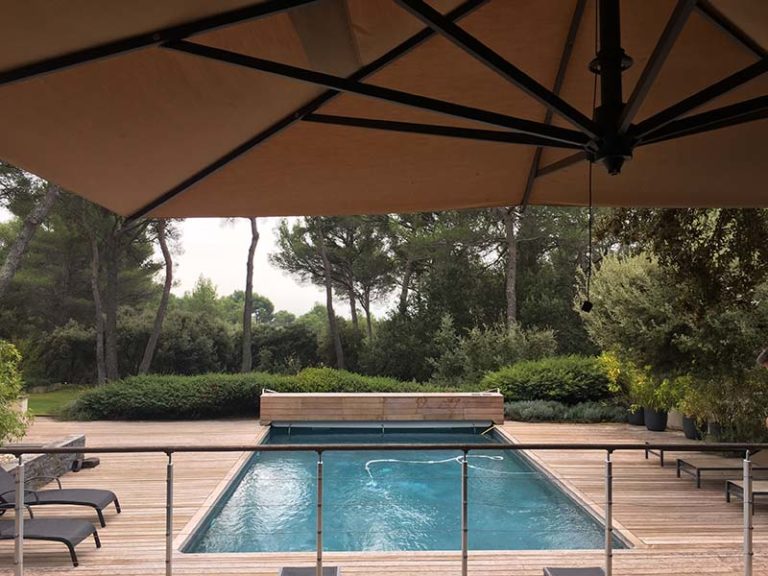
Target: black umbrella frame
(609, 137)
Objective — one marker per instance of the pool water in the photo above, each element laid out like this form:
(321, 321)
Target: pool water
(393, 500)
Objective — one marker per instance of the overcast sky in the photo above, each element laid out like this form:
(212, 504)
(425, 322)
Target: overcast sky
(217, 249)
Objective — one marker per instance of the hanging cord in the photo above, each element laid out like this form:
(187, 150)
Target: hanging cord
(586, 306)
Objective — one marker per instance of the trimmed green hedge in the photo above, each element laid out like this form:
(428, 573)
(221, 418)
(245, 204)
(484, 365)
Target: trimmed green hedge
(159, 397)
(549, 411)
(567, 379)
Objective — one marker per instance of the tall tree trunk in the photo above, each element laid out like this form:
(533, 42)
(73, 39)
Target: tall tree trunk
(111, 266)
(332, 328)
(510, 229)
(101, 373)
(31, 224)
(149, 351)
(407, 273)
(353, 308)
(366, 303)
(248, 305)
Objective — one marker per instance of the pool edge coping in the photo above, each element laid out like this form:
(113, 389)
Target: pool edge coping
(184, 538)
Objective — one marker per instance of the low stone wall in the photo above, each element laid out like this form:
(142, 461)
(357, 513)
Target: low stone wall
(54, 465)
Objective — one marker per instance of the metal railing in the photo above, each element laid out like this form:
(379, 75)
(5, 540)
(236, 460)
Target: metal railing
(609, 449)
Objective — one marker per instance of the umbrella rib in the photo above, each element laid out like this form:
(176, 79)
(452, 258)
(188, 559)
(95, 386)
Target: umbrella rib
(437, 130)
(659, 55)
(746, 111)
(700, 98)
(404, 47)
(177, 32)
(562, 68)
(381, 93)
(719, 19)
(499, 64)
(560, 164)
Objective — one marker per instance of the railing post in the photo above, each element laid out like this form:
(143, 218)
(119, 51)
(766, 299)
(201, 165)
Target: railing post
(608, 514)
(748, 503)
(18, 550)
(319, 568)
(464, 517)
(169, 516)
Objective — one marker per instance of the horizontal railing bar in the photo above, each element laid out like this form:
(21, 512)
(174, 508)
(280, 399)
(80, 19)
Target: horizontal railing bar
(724, 447)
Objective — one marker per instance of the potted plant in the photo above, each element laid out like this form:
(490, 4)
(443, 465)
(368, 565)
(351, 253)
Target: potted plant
(695, 409)
(632, 381)
(657, 398)
(636, 415)
(644, 397)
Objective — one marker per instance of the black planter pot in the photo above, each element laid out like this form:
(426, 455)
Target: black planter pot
(655, 420)
(715, 431)
(691, 429)
(636, 418)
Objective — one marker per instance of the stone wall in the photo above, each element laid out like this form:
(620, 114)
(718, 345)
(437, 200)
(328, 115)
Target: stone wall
(54, 465)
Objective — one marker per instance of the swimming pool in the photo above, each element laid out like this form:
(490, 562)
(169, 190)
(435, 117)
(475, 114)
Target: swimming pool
(401, 500)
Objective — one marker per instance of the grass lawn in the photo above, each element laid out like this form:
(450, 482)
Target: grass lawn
(48, 402)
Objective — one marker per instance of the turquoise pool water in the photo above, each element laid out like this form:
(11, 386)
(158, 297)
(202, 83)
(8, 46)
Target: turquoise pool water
(403, 500)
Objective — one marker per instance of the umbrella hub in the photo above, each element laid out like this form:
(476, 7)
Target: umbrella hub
(613, 147)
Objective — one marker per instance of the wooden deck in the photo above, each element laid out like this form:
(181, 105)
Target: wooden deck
(678, 529)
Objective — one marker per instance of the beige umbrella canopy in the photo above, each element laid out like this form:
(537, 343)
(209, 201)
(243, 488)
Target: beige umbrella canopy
(241, 108)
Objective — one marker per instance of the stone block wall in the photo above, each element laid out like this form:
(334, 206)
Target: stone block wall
(54, 465)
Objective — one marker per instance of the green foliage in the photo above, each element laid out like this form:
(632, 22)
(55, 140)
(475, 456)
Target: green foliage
(12, 423)
(567, 379)
(535, 411)
(713, 256)
(157, 397)
(401, 349)
(634, 313)
(283, 349)
(550, 411)
(687, 355)
(66, 354)
(552, 245)
(657, 394)
(738, 405)
(619, 374)
(464, 359)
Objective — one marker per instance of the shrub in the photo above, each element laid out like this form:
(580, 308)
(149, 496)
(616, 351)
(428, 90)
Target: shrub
(535, 411)
(568, 379)
(12, 423)
(159, 397)
(550, 411)
(590, 412)
(464, 359)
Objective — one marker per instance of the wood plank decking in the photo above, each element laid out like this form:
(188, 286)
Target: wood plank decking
(434, 406)
(679, 530)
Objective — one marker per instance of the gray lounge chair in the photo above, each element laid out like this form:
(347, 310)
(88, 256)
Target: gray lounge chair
(695, 465)
(96, 499)
(574, 572)
(68, 531)
(736, 487)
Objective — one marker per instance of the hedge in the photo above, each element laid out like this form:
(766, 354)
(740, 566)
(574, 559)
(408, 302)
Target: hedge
(160, 397)
(567, 379)
(550, 411)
